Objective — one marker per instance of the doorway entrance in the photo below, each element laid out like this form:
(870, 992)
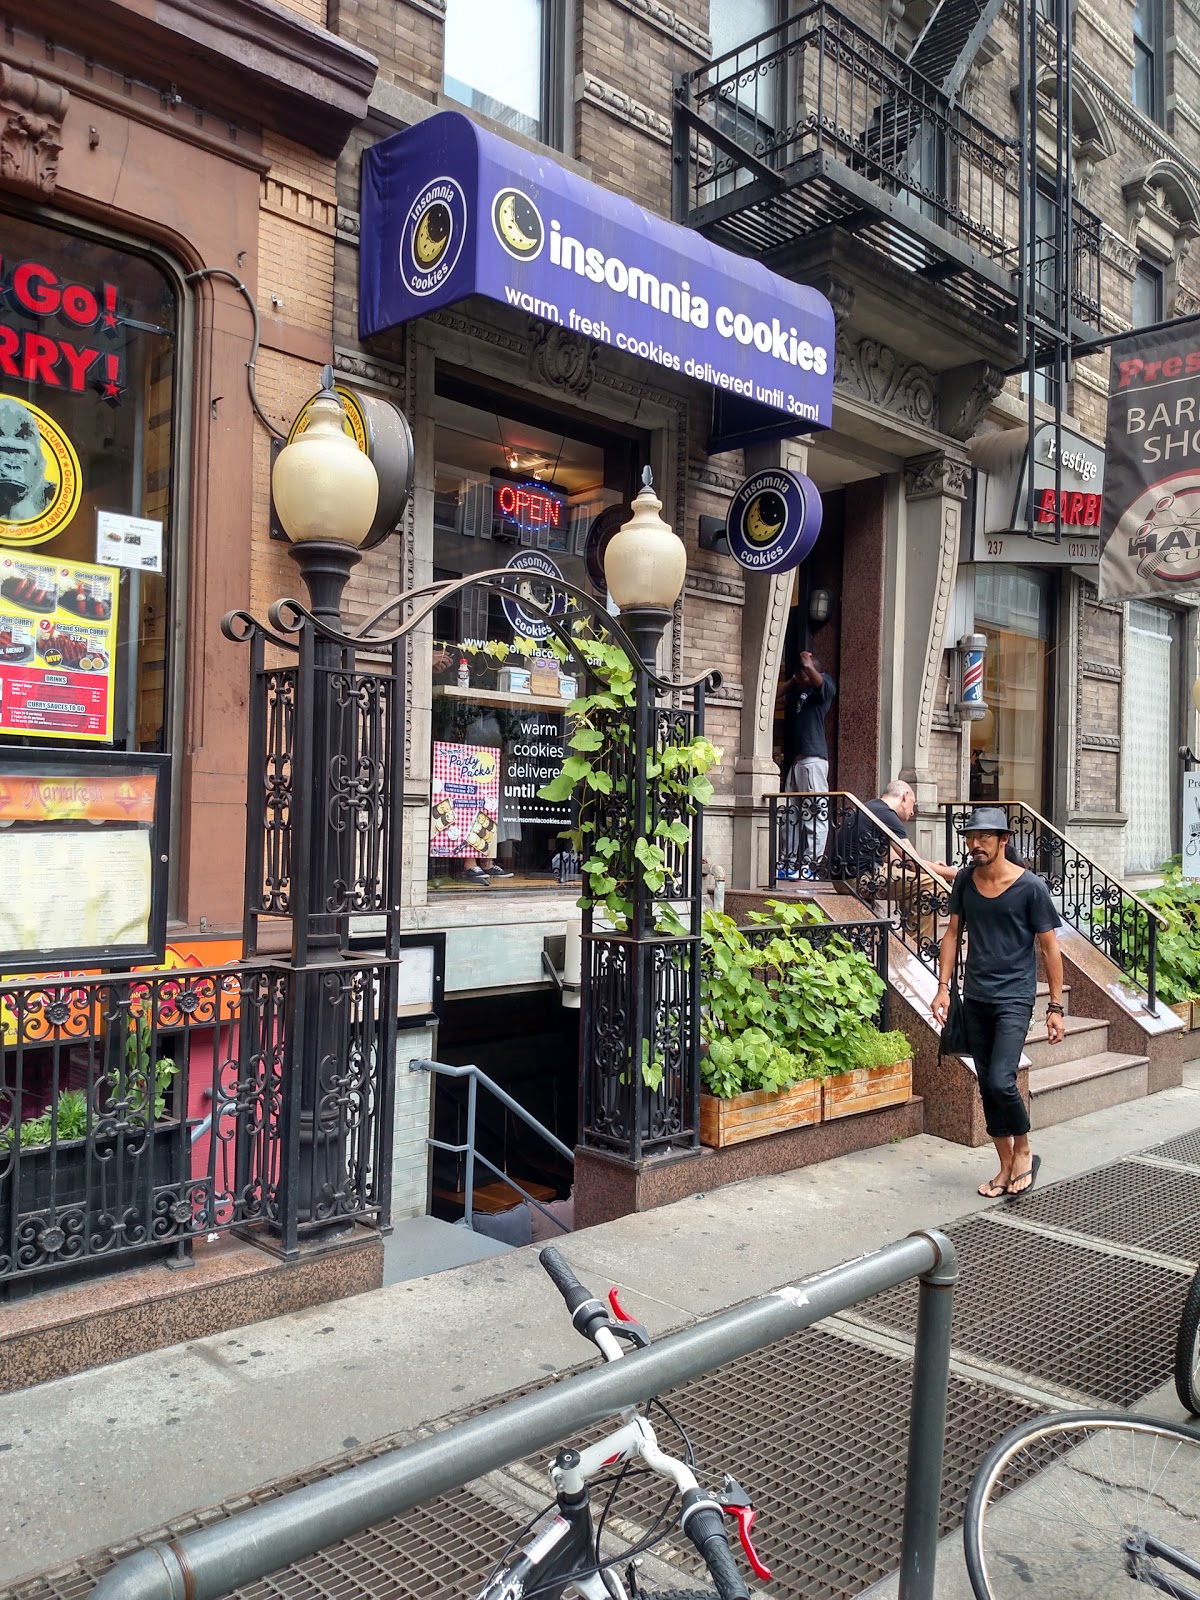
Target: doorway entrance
(1014, 608)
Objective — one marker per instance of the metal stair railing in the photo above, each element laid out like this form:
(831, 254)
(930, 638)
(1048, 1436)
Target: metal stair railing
(475, 1078)
(1116, 921)
(833, 838)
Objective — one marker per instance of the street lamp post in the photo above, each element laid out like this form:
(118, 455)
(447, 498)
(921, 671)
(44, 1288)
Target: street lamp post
(326, 492)
(640, 998)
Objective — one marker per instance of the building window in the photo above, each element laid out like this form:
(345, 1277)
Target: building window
(87, 558)
(1148, 283)
(504, 59)
(1013, 610)
(1148, 58)
(513, 486)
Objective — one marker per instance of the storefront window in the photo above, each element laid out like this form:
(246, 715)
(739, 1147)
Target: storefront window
(1008, 745)
(512, 489)
(496, 59)
(87, 394)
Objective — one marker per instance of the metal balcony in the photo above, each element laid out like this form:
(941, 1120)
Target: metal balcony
(814, 125)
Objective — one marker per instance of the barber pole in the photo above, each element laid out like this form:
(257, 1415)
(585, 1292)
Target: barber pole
(971, 704)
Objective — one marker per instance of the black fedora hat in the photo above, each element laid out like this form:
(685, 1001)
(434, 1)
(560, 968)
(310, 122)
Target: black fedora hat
(985, 819)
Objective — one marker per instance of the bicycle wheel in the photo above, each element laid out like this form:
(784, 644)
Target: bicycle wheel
(1187, 1351)
(1095, 1503)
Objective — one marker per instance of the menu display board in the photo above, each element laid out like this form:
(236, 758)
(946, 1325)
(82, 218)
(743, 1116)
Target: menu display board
(83, 863)
(465, 800)
(58, 625)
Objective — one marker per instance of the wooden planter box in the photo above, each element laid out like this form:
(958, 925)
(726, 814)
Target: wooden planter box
(866, 1089)
(1188, 1012)
(762, 1111)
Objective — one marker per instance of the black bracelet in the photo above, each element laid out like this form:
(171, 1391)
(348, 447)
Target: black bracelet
(1055, 1006)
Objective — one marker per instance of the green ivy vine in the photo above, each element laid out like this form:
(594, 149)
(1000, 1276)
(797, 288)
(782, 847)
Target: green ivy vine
(599, 775)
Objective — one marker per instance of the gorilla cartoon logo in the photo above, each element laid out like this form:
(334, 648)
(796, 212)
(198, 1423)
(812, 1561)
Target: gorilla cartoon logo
(25, 490)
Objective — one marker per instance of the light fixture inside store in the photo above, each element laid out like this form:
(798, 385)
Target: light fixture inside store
(820, 604)
(645, 561)
(325, 488)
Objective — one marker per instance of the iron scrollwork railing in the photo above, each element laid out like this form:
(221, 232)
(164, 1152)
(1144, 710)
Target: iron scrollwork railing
(1114, 919)
(833, 838)
(783, 134)
(139, 1112)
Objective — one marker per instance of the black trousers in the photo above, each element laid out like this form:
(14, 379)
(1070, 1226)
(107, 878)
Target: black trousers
(996, 1032)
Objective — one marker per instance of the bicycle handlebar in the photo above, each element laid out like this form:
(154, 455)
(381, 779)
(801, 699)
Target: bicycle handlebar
(588, 1315)
(704, 1526)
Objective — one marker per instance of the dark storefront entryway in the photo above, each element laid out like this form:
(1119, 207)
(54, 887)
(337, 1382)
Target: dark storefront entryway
(528, 1044)
(1014, 610)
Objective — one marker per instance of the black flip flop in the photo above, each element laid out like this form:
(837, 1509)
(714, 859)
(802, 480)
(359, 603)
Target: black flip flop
(1015, 1194)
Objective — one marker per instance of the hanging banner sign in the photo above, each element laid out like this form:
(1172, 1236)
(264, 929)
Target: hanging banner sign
(1190, 831)
(773, 520)
(58, 625)
(1150, 529)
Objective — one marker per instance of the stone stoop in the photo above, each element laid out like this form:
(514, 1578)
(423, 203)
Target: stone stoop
(1081, 1074)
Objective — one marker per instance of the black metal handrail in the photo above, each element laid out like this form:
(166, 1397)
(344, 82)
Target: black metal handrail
(140, 1111)
(1087, 898)
(833, 838)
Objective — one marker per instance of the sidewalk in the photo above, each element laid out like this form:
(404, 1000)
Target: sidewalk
(92, 1460)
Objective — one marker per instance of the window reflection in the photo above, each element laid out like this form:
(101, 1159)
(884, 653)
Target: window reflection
(1012, 610)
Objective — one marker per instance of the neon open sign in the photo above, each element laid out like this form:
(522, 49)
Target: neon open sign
(529, 505)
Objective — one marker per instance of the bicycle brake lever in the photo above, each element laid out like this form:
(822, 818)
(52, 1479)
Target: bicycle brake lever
(735, 1502)
(626, 1327)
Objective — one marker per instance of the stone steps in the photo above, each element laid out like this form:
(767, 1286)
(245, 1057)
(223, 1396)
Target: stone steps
(1085, 1036)
(1061, 1090)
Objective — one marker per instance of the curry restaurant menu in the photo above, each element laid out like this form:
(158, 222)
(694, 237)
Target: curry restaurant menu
(58, 624)
(97, 881)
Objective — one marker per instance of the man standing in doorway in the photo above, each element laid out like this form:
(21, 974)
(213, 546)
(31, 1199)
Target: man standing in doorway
(1007, 914)
(814, 691)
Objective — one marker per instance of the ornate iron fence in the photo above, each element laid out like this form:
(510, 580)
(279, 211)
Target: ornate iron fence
(833, 838)
(138, 1112)
(1088, 898)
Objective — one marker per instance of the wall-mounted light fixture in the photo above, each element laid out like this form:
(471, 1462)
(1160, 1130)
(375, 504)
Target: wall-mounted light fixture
(713, 535)
(820, 606)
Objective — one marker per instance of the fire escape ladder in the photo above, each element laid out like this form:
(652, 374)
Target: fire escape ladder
(950, 41)
(942, 56)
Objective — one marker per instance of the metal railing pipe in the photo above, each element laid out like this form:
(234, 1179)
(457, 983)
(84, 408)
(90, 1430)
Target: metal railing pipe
(211, 1561)
(506, 1100)
(927, 1432)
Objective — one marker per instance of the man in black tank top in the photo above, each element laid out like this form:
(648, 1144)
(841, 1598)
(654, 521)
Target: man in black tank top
(1008, 916)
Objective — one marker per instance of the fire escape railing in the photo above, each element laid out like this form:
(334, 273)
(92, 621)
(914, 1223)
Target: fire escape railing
(790, 125)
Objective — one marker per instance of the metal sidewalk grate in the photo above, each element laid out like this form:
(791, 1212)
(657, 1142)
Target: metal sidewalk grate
(1096, 1324)
(815, 1427)
(1129, 1203)
(1185, 1148)
(447, 1547)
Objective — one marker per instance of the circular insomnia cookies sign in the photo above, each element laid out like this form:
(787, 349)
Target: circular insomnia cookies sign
(40, 477)
(773, 520)
(433, 235)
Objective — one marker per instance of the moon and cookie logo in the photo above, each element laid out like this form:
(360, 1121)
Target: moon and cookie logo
(518, 224)
(40, 477)
(433, 235)
(773, 520)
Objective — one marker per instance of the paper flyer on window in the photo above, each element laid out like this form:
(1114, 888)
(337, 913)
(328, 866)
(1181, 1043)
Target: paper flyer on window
(58, 625)
(465, 800)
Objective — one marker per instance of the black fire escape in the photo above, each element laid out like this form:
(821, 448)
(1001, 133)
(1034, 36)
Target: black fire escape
(815, 129)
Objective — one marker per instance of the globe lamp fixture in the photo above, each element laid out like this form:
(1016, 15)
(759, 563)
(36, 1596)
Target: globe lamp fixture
(325, 488)
(645, 562)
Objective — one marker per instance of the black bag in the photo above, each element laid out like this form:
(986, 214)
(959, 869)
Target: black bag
(953, 1041)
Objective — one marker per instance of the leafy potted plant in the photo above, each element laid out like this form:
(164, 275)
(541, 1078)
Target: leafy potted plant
(783, 1014)
(1177, 968)
(880, 1075)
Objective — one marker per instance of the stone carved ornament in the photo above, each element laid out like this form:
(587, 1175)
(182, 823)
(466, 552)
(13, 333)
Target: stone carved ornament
(561, 359)
(880, 376)
(32, 110)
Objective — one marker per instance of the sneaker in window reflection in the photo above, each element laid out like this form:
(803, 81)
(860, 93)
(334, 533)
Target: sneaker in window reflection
(783, 876)
(499, 872)
(475, 874)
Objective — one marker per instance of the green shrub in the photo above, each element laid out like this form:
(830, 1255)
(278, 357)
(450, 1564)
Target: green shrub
(875, 1049)
(1177, 969)
(788, 1009)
